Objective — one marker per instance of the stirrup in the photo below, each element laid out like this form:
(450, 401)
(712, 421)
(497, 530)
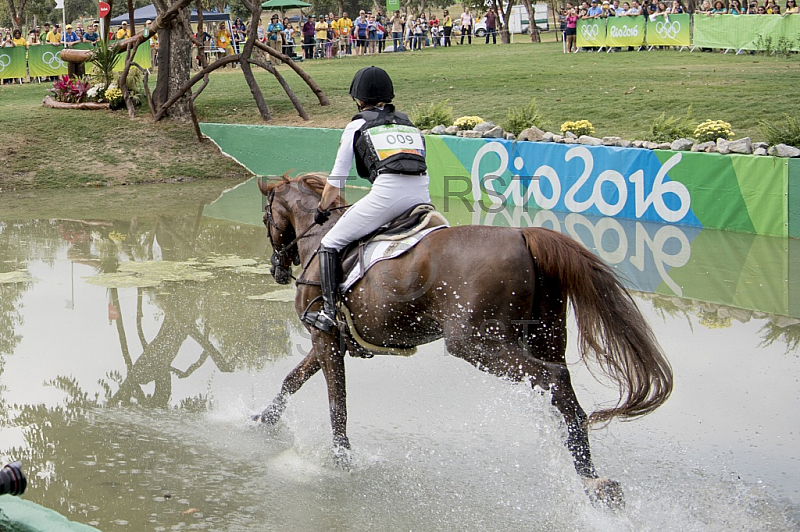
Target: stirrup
(319, 320)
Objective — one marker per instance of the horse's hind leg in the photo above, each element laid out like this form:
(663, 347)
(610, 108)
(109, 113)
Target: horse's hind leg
(293, 381)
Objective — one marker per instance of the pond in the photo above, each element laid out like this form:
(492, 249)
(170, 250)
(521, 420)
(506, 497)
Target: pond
(139, 329)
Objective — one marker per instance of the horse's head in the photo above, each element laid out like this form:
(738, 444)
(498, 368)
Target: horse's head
(281, 232)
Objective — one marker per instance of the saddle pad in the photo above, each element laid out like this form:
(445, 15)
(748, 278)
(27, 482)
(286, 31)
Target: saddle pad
(376, 251)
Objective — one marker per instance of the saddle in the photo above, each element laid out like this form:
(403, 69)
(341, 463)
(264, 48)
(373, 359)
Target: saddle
(389, 241)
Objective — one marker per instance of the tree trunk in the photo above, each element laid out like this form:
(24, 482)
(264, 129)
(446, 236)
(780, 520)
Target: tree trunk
(175, 61)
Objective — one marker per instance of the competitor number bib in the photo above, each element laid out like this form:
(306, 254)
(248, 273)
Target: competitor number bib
(393, 139)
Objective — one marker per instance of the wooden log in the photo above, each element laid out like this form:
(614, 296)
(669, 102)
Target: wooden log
(89, 106)
(75, 56)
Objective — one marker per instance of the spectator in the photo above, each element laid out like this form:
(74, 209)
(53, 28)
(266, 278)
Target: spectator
(719, 8)
(70, 37)
(606, 10)
(54, 36)
(735, 8)
(224, 41)
(635, 9)
(571, 30)
(467, 22)
(491, 25)
(677, 7)
(288, 38)
(623, 9)
(123, 32)
(345, 31)
(330, 36)
(791, 8)
(594, 11)
(776, 10)
(308, 37)
(447, 27)
(33, 38)
(8, 41)
(275, 33)
(239, 35)
(397, 22)
(261, 32)
(372, 34)
(16, 38)
(91, 35)
(320, 35)
(360, 32)
(380, 22)
(705, 8)
(79, 31)
(436, 34)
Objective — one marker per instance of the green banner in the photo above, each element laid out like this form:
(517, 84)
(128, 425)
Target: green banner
(141, 58)
(669, 30)
(625, 31)
(591, 33)
(392, 6)
(746, 32)
(12, 63)
(45, 60)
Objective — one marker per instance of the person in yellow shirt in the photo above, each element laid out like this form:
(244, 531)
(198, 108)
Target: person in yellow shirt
(345, 29)
(223, 39)
(321, 29)
(123, 32)
(17, 39)
(54, 36)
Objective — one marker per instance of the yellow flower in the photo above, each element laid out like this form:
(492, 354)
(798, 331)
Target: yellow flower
(467, 122)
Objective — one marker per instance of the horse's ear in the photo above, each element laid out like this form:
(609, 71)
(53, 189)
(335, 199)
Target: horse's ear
(264, 183)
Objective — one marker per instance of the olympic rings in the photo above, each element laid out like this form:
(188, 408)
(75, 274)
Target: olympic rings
(668, 30)
(590, 32)
(5, 60)
(50, 59)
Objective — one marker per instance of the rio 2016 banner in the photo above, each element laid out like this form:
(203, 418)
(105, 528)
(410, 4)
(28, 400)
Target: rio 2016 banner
(733, 192)
(669, 30)
(625, 31)
(746, 32)
(12, 63)
(591, 33)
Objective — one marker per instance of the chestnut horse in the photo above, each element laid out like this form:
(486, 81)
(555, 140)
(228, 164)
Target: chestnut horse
(497, 295)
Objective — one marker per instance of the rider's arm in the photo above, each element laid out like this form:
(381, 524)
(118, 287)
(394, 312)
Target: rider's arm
(342, 166)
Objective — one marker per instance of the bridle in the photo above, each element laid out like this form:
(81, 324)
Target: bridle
(282, 258)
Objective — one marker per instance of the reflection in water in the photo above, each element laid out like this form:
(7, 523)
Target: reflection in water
(128, 400)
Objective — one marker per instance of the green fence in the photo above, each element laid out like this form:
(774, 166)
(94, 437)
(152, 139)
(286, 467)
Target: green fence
(45, 60)
(727, 32)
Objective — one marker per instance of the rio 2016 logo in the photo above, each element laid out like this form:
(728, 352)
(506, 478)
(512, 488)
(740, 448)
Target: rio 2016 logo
(667, 29)
(624, 31)
(590, 31)
(53, 60)
(5, 60)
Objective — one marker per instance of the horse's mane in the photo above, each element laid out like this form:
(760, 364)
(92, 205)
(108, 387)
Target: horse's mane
(312, 181)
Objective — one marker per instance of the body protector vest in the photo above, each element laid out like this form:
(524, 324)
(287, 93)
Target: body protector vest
(388, 142)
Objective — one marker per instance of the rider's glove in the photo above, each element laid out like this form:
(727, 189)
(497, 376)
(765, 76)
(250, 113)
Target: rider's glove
(320, 217)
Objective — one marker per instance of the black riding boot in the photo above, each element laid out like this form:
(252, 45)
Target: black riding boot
(325, 319)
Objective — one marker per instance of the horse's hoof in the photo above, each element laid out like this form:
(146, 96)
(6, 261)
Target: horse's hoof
(605, 492)
(268, 417)
(342, 455)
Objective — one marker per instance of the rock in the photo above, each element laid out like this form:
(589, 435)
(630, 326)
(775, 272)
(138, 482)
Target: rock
(664, 146)
(712, 148)
(681, 145)
(570, 135)
(548, 137)
(625, 143)
(532, 133)
(425, 131)
(757, 145)
(783, 150)
(741, 146)
(451, 130)
(570, 140)
(509, 136)
(703, 146)
(470, 134)
(558, 138)
(439, 130)
(637, 143)
(586, 140)
(483, 127)
(760, 151)
(611, 141)
(723, 146)
(495, 133)
(650, 145)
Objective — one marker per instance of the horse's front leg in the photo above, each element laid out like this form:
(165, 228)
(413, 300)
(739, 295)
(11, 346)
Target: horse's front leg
(331, 359)
(293, 381)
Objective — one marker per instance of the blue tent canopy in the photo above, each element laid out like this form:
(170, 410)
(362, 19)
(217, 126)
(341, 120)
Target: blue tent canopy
(143, 14)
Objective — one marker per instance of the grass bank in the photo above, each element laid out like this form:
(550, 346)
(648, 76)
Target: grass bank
(620, 93)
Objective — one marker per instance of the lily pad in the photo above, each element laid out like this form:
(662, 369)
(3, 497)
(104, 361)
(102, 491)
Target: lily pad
(19, 276)
(229, 261)
(121, 280)
(283, 296)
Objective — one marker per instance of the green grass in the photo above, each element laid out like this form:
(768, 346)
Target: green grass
(620, 94)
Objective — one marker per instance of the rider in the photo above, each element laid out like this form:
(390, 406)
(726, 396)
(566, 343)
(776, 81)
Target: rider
(390, 152)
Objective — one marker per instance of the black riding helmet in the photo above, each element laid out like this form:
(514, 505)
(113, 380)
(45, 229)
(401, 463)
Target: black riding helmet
(372, 85)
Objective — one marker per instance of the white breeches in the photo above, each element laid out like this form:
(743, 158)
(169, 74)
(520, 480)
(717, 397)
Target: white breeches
(391, 195)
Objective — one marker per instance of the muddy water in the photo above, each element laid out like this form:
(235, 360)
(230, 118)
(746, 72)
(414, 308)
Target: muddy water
(141, 329)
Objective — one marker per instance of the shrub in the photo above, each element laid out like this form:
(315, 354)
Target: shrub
(664, 129)
(114, 98)
(521, 118)
(467, 122)
(103, 61)
(581, 127)
(711, 130)
(786, 131)
(428, 116)
(68, 90)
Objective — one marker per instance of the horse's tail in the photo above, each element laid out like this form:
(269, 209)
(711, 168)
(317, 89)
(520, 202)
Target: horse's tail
(611, 327)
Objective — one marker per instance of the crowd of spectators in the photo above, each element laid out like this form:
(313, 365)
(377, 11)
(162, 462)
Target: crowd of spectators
(589, 9)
